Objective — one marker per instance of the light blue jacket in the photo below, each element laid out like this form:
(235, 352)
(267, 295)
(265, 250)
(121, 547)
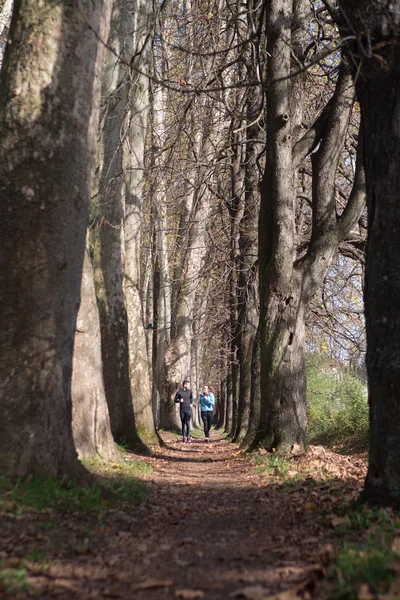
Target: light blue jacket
(207, 401)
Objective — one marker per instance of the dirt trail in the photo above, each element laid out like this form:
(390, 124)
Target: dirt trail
(212, 529)
(214, 526)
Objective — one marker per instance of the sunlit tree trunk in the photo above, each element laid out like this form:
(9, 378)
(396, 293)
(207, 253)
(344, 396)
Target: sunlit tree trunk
(161, 276)
(255, 391)
(90, 419)
(133, 167)
(287, 285)
(49, 107)
(108, 232)
(116, 233)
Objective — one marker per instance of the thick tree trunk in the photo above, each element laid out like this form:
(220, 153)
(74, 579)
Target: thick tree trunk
(116, 239)
(276, 228)
(229, 399)
(90, 419)
(286, 284)
(49, 106)
(377, 74)
(108, 237)
(161, 282)
(236, 210)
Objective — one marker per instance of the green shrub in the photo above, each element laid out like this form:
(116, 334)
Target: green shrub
(337, 404)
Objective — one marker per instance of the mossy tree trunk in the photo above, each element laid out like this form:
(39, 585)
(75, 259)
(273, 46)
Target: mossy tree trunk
(49, 106)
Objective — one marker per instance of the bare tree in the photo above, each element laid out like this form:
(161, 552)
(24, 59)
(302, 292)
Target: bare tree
(290, 276)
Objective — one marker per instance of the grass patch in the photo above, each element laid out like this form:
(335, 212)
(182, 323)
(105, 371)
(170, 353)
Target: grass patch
(368, 560)
(273, 464)
(130, 490)
(121, 479)
(353, 568)
(12, 579)
(59, 494)
(37, 555)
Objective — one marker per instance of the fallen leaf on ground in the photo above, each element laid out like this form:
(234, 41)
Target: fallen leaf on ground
(324, 554)
(189, 594)
(396, 545)
(338, 521)
(150, 584)
(296, 592)
(296, 450)
(364, 593)
(253, 592)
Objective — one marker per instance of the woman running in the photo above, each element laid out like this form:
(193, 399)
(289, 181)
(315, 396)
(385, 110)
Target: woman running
(206, 402)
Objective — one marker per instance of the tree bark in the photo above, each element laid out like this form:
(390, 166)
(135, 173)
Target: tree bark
(137, 20)
(108, 234)
(49, 106)
(90, 419)
(375, 61)
(248, 313)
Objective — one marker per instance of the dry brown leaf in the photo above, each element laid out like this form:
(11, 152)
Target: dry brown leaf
(296, 450)
(364, 593)
(396, 545)
(324, 554)
(338, 521)
(189, 594)
(252, 592)
(151, 584)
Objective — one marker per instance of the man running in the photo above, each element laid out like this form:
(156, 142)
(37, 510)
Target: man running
(184, 397)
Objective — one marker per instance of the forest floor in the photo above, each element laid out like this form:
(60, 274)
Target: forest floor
(218, 524)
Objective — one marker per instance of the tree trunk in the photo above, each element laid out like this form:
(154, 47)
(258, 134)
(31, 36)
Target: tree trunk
(136, 19)
(377, 75)
(108, 236)
(255, 405)
(49, 106)
(276, 227)
(90, 419)
(248, 313)
(286, 284)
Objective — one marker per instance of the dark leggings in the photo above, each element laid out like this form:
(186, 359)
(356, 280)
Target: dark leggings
(185, 418)
(207, 416)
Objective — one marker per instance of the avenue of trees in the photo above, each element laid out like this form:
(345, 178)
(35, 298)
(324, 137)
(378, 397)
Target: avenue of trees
(195, 189)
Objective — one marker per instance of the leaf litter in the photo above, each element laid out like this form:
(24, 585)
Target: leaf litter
(218, 524)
